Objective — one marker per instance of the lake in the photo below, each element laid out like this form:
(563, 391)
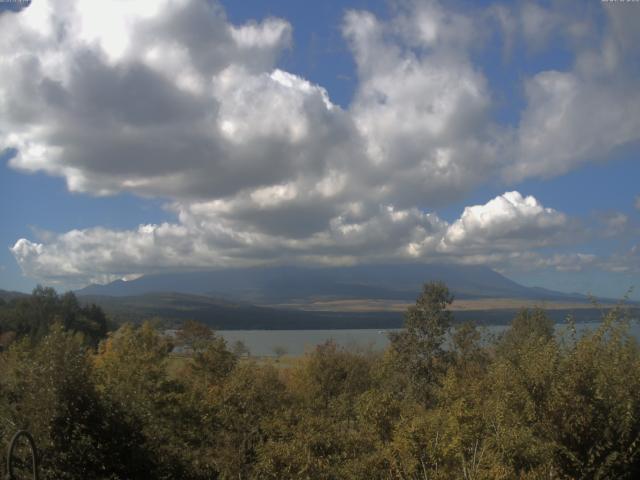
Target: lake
(296, 342)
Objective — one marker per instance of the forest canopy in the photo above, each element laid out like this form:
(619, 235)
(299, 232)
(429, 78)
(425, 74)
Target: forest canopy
(443, 401)
(32, 316)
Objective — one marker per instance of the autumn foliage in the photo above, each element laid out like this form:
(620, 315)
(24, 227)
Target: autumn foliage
(442, 402)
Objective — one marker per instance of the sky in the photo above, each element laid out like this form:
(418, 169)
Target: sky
(171, 135)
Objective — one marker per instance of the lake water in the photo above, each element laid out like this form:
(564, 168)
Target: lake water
(296, 342)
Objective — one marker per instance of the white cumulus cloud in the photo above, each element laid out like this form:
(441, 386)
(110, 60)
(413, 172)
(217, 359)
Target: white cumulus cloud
(505, 221)
(169, 99)
(214, 234)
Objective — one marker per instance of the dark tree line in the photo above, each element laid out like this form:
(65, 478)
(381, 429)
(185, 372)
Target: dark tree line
(33, 316)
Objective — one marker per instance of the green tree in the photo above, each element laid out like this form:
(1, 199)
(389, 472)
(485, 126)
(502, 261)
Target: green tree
(330, 374)
(418, 348)
(194, 335)
(131, 373)
(593, 417)
(527, 326)
(47, 389)
(212, 362)
(244, 403)
(33, 316)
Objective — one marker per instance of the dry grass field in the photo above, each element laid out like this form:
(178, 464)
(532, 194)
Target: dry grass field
(372, 305)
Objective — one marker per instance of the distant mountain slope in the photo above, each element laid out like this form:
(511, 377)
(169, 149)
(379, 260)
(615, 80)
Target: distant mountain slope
(273, 285)
(8, 295)
(177, 307)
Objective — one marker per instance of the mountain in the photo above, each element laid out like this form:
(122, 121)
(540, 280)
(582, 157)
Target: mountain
(10, 295)
(278, 285)
(323, 298)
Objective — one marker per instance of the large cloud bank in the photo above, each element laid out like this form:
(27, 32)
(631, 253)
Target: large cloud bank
(167, 98)
(211, 235)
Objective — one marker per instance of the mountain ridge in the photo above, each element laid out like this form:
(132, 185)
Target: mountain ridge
(8, 295)
(274, 285)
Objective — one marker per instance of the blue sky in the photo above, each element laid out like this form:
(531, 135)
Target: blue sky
(195, 134)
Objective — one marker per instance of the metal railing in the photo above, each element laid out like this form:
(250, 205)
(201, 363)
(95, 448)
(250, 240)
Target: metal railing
(11, 458)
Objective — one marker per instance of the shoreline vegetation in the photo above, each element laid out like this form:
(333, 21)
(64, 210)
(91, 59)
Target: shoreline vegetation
(107, 401)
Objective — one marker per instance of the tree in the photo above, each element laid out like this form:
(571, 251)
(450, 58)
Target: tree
(529, 325)
(330, 373)
(131, 374)
(593, 414)
(33, 316)
(195, 335)
(240, 349)
(246, 399)
(418, 349)
(279, 351)
(48, 390)
(212, 362)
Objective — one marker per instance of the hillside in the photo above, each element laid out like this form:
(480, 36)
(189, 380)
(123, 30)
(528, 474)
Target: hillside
(324, 298)
(7, 295)
(174, 308)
